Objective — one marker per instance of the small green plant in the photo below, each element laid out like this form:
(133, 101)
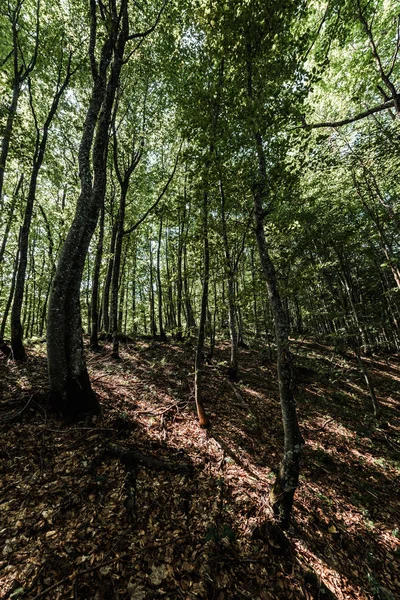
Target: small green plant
(325, 499)
(378, 592)
(215, 534)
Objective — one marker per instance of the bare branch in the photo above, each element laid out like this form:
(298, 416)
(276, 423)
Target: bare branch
(160, 196)
(318, 32)
(144, 34)
(92, 43)
(384, 76)
(9, 55)
(396, 51)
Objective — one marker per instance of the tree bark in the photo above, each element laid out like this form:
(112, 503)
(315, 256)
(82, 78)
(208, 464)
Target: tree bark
(10, 217)
(233, 370)
(159, 287)
(70, 388)
(287, 476)
(17, 345)
(9, 300)
(153, 326)
(179, 282)
(21, 70)
(199, 359)
(94, 335)
(116, 273)
(106, 325)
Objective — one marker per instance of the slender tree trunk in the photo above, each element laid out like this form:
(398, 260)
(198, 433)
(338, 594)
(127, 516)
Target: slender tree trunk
(52, 272)
(5, 144)
(233, 370)
(153, 327)
(9, 300)
(190, 320)
(172, 323)
(287, 477)
(159, 287)
(255, 308)
(199, 360)
(21, 70)
(16, 325)
(40, 148)
(144, 316)
(107, 284)
(179, 282)
(357, 340)
(94, 335)
(10, 216)
(121, 299)
(211, 322)
(123, 180)
(116, 273)
(134, 270)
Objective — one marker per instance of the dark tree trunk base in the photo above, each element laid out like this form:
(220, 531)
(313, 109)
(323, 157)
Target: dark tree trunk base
(6, 350)
(233, 373)
(283, 490)
(133, 459)
(18, 351)
(78, 400)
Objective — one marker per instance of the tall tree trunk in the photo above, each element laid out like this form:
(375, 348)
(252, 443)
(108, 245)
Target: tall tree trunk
(107, 284)
(199, 360)
(153, 326)
(133, 279)
(179, 282)
(21, 70)
(71, 391)
(9, 300)
(190, 320)
(287, 477)
(255, 308)
(233, 370)
(10, 217)
(123, 181)
(116, 275)
(159, 287)
(5, 144)
(40, 148)
(172, 323)
(52, 272)
(94, 335)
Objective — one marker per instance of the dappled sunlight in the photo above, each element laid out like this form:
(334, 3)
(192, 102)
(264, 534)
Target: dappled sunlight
(345, 513)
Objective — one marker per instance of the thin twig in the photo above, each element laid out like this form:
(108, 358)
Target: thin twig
(15, 416)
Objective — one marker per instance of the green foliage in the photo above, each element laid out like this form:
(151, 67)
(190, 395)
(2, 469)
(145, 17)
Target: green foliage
(332, 195)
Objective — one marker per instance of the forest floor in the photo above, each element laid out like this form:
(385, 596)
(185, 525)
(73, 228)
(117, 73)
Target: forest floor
(75, 524)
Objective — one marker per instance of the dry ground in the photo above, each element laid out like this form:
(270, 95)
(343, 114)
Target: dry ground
(75, 524)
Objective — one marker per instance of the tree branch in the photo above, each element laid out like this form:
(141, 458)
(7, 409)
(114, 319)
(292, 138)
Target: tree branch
(363, 115)
(160, 196)
(143, 34)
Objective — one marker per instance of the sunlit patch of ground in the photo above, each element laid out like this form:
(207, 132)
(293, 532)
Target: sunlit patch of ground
(66, 531)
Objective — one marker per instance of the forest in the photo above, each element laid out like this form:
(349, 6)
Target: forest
(200, 299)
